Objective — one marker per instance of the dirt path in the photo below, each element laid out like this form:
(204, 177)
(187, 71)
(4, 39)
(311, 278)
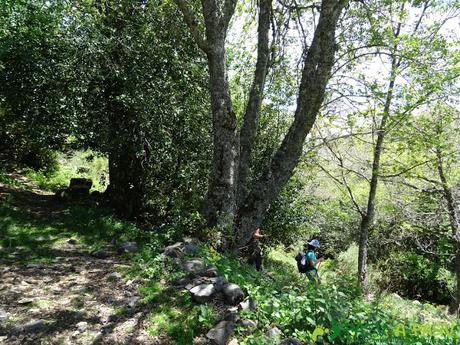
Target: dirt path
(74, 298)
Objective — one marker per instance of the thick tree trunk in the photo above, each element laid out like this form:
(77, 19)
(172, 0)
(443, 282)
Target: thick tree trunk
(220, 206)
(252, 115)
(315, 75)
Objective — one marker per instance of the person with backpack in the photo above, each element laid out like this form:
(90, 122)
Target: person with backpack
(307, 261)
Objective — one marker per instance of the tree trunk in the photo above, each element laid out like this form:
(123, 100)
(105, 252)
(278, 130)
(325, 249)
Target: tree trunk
(454, 224)
(220, 206)
(315, 75)
(252, 114)
(367, 219)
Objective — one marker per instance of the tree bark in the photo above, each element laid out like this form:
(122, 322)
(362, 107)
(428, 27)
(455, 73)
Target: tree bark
(220, 206)
(315, 75)
(252, 114)
(367, 219)
(454, 224)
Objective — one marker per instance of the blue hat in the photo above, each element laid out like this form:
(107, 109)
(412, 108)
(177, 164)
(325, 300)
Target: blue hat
(314, 243)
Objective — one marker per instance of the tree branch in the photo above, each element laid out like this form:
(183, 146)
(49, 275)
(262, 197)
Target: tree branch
(192, 23)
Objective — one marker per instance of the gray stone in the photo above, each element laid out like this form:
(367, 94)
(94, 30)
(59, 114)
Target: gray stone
(174, 250)
(233, 293)
(34, 326)
(218, 282)
(100, 254)
(113, 276)
(290, 341)
(3, 316)
(82, 326)
(72, 241)
(184, 281)
(221, 333)
(129, 247)
(248, 304)
(202, 293)
(232, 316)
(210, 271)
(190, 249)
(35, 266)
(194, 265)
(247, 323)
(274, 332)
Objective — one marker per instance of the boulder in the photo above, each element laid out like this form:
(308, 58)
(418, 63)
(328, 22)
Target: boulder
(247, 323)
(174, 251)
(219, 283)
(129, 247)
(233, 293)
(248, 304)
(34, 326)
(100, 254)
(274, 333)
(194, 265)
(190, 249)
(202, 293)
(210, 271)
(221, 333)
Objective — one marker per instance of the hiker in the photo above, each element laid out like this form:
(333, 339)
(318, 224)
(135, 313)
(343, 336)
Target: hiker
(255, 250)
(307, 261)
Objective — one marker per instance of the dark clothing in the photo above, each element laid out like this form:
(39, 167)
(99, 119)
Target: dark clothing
(255, 252)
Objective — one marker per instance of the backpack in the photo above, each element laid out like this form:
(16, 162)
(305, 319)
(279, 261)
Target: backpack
(303, 265)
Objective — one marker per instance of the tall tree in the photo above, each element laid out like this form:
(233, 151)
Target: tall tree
(230, 204)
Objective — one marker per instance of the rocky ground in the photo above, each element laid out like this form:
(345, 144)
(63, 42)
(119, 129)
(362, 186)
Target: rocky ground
(75, 298)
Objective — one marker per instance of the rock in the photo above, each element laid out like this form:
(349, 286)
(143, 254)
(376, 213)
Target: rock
(274, 332)
(194, 265)
(221, 333)
(210, 271)
(129, 247)
(134, 301)
(234, 341)
(80, 186)
(174, 250)
(247, 323)
(203, 292)
(219, 283)
(184, 281)
(100, 254)
(82, 326)
(233, 293)
(25, 300)
(290, 341)
(35, 266)
(72, 241)
(113, 276)
(232, 316)
(248, 304)
(34, 326)
(3, 316)
(190, 249)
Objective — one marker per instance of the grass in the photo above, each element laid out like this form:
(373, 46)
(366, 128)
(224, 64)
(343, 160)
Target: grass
(285, 299)
(85, 164)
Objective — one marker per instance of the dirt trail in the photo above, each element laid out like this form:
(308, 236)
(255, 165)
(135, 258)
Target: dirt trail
(74, 298)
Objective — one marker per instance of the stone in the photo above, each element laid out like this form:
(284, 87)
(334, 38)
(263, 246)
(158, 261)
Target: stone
(25, 300)
(190, 249)
(233, 293)
(38, 266)
(72, 241)
(202, 293)
(219, 283)
(113, 276)
(34, 326)
(82, 326)
(174, 250)
(221, 333)
(194, 265)
(100, 254)
(3, 316)
(247, 323)
(248, 304)
(234, 341)
(232, 316)
(290, 341)
(184, 281)
(80, 186)
(274, 332)
(129, 247)
(210, 271)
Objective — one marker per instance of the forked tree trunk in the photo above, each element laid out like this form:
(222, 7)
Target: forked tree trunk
(315, 75)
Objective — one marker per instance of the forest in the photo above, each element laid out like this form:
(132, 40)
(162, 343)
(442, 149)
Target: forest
(164, 162)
